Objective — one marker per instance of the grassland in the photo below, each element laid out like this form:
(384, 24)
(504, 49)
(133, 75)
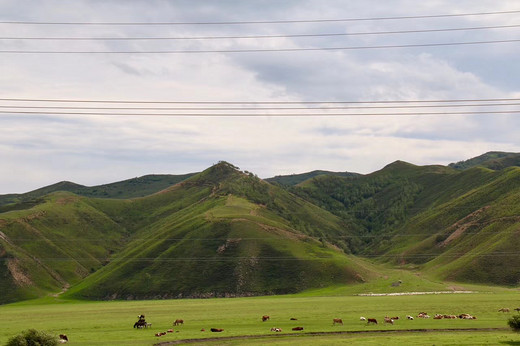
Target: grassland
(110, 323)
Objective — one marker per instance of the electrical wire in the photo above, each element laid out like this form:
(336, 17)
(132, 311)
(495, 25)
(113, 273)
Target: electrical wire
(264, 21)
(259, 50)
(259, 36)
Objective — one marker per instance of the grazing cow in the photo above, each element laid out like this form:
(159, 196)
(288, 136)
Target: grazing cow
(438, 317)
(158, 334)
(265, 318)
(409, 317)
(395, 318)
(423, 315)
(294, 319)
(177, 322)
(217, 330)
(371, 320)
(503, 310)
(297, 328)
(450, 316)
(140, 324)
(389, 320)
(362, 318)
(517, 309)
(276, 329)
(203, 330)
(337, 320)
(170, 331)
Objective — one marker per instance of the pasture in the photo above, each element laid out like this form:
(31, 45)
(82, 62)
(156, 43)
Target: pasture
(110, 323)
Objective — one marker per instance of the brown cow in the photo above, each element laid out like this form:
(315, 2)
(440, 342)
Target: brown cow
(217, 330)
(337, 320)
(389, 320)
(265, 318)
(371, 320)
(503, 310)
(274, 329)
(177, 322)
(170, 331)
(297, 328)
(438, 317)
(395, 318)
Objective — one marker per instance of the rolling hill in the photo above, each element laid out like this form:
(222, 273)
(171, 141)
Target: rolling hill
(221, 232)
(224, 232)
(459, 225)
(130, 188)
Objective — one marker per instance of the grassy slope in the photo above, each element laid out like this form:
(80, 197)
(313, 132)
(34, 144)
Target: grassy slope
(295, 179)
(233, 236)
(54, 244)
(494, 160)
(130, 188)
(407, 212)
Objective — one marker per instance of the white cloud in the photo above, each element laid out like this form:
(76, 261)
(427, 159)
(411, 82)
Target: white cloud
(40, 150)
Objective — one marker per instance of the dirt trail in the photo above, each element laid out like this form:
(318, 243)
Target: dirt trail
(352, 332)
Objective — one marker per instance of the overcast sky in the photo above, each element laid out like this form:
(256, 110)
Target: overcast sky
(39, 147)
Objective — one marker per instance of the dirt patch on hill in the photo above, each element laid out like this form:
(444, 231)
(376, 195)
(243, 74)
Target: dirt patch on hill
(462, 225)
(67, 200)
(17, 273)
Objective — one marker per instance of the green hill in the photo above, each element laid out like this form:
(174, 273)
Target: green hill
(494, 160)
(224, 232)
(457, 225)
(220, 232)
(295, 179)
(131, 188)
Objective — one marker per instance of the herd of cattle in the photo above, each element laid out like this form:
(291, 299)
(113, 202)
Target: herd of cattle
(386, 320)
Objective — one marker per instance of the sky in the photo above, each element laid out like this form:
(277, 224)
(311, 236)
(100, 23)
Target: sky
(359, 64)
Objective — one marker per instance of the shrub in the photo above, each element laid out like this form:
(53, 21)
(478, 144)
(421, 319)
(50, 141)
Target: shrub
(33, 337)
(514, 323)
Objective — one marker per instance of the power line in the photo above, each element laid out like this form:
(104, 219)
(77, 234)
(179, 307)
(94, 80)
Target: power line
(264, 21)
(263, 108)
(259, 114)
(258, 36)
(259, 50)
(259, 102)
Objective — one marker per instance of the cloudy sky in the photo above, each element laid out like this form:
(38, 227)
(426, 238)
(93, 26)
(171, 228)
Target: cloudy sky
(203, 81)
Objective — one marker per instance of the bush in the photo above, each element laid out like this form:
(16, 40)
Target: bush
(33, 337)
(514, 323)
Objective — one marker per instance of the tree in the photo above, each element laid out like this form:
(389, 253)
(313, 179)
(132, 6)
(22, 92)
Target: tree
(514, 323)
(33, 337)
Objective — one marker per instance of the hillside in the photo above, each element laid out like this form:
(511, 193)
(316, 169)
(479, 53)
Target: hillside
(295, 179)
(495, 160)
(131, 188)
(220, 232)
(456, 225)
(224, 232)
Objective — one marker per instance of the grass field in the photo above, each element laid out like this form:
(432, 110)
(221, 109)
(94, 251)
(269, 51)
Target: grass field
(110, 323)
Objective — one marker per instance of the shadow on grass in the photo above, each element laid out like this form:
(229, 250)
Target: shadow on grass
(511, 342)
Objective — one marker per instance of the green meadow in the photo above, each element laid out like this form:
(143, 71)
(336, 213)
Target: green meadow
(111, 323)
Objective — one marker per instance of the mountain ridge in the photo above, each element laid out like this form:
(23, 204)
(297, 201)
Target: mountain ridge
(262, 238)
